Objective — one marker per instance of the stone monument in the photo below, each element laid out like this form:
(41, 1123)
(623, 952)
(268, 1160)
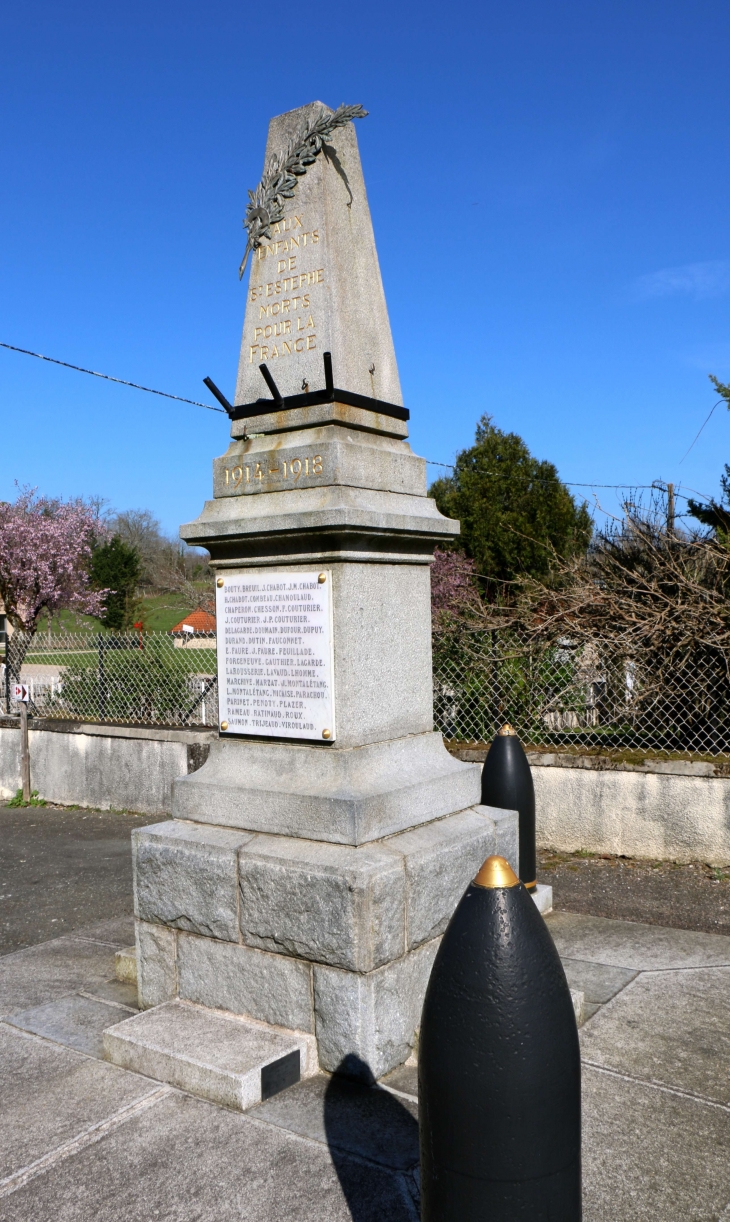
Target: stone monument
(314, 861)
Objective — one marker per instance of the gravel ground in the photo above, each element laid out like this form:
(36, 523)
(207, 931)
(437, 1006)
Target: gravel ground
(61, 869)
(692, 896)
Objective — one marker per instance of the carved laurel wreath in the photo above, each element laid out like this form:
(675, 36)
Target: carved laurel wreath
(266, 203)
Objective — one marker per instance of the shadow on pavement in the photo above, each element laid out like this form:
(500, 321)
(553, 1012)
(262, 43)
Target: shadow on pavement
(362, 1118)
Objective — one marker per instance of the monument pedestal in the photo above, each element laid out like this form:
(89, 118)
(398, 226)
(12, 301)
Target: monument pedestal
(306, 884)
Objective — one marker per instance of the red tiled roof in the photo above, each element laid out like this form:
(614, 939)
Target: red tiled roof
(200, 621)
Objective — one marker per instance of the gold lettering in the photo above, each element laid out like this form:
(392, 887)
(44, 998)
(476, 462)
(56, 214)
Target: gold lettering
(317, 464)
(292, 262)
(306, 466)
(275, 352)
(263, 349)
(281, 266)
(263, 311)
(295, 466)
(252, 348)
(293, 242)
(305, 301)
(276, 308)
(311, 342)
(258, 473)
(296, 221)
(285, 305)
(297, 342)
(227, 474)
(286, 347)
(236, 479)
(248, 475)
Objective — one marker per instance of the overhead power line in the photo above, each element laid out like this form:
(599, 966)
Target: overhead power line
(108, 378)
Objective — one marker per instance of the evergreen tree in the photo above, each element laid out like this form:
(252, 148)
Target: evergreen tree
(716, 513)
(514, 510)
(115, 566)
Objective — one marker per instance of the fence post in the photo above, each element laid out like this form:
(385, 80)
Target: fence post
(102, 679)
(24, 751)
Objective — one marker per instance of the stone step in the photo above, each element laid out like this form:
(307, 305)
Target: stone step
(125, 965)
(211, 1053)
(543, 897)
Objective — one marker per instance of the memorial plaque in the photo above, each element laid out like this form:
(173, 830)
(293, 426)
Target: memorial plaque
(275, 668)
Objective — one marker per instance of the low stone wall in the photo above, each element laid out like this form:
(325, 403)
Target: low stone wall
(673, 810)
(99, 766)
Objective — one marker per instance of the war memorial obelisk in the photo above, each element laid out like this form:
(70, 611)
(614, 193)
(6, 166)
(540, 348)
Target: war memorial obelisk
(314, 861)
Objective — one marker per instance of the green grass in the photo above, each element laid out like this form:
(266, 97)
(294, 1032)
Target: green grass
(191, 661)
(159, 612)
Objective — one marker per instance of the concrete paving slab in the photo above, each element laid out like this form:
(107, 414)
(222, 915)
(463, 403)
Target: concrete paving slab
(114, 990)
(212, 1054)
(119, 931)
(51, 1094)
(75, 1021)
(651, 1154)
(350, 1117)
(669, 1027)
(184, 1160)
(52, 969)
(629, 945)
(598, 982)
(404, 1079)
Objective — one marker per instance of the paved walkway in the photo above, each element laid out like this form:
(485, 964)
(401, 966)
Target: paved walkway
(84, 1141)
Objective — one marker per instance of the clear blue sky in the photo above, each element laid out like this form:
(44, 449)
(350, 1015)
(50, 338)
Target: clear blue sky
(548, 184)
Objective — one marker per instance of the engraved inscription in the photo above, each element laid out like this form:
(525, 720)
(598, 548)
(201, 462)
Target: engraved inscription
(286, 292)
(272, 471)
(275, 655)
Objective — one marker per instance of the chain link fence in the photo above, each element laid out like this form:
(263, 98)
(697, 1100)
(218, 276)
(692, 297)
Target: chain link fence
(150, 678)
(580, 697)
(563, 697)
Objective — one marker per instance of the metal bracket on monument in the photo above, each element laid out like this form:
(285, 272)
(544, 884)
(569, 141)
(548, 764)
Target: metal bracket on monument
(329, 394)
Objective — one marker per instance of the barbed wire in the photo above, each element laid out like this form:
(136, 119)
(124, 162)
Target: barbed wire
(209, 408)
(108, 378)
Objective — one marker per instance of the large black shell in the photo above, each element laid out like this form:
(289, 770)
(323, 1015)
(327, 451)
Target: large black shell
(507, 782)
(499, 1070)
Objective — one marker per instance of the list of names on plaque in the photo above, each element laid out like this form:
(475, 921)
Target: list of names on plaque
(274, 633)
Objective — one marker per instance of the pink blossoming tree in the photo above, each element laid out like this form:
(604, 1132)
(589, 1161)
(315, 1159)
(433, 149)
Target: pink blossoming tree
(45, 548)
(453, 584)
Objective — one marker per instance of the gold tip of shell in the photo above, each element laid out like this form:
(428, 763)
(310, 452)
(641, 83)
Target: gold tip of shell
(326, 734)
(220, 583)
(496, 872)
(507, 731)
(224, 725)
(322, 578)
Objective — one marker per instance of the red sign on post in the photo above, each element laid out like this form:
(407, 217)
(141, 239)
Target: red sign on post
(21, 691)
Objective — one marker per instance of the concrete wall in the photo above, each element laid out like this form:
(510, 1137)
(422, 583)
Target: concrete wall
(675, 810)
(126, 768)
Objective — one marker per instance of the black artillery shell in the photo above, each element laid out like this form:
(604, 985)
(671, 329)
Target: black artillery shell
(499, 1070)
(507, 782)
